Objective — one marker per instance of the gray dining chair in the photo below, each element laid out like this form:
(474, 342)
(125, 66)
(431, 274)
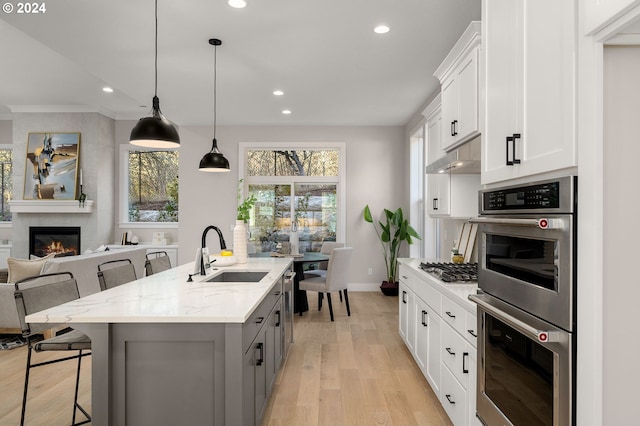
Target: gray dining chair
(38, 293)
(334, 280)
(115, 272)
(326, 248)
(157, 261)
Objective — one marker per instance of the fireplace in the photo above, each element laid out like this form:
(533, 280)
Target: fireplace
(61, 240)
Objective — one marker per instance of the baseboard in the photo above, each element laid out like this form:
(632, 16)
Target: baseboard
(364, 287)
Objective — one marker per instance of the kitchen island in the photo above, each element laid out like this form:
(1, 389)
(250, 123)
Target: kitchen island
(169, 351)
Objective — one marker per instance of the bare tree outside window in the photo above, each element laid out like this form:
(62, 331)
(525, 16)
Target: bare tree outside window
(292, 163)
(153, 186)
(6, 182)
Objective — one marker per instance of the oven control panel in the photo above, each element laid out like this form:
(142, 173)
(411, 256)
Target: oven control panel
(541, 196)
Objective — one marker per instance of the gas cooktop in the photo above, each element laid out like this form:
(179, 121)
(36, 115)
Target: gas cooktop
(452, 272)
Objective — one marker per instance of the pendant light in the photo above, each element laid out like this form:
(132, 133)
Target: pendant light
(155, 131)
(214, 161)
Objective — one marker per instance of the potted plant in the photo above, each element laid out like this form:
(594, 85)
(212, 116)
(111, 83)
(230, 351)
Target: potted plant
(391, 234)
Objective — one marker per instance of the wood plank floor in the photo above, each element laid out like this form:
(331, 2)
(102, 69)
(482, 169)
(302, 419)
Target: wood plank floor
(354, 371)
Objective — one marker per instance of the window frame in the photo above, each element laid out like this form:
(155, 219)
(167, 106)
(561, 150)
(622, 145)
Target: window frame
(5, 224)
(124, 222)
(339, 181)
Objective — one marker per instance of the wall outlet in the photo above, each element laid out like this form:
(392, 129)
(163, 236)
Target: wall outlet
(370, 271)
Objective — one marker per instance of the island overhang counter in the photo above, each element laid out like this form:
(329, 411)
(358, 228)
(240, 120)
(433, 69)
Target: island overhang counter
(169, 351)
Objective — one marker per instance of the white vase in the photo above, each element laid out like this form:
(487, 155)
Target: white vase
(293, 239)
(240, 241)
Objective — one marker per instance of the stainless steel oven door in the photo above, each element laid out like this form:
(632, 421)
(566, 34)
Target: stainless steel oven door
(525, 368)
(529, 262)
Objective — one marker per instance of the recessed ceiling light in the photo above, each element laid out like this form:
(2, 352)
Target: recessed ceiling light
(381, 29)
(278, 92)
(286, 111)
(238, 4)
(107, 89)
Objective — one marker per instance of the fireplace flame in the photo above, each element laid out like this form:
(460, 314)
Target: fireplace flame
(58, 247)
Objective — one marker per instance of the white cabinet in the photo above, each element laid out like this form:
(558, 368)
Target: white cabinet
(433, 114)
(442, 341)
(458, 75)
(530, 83)
(453, 195)
(600, 12)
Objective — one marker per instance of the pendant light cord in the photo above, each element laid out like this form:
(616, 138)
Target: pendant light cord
(155, 89)
(215, 73)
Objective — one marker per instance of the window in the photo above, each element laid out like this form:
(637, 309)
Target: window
(292, 184)
(6, 183)
(152, 185)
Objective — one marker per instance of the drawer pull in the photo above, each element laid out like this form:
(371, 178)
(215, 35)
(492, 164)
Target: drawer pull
(278, 321)
(424, 321)
(450, 315)
(277, 293)
(450, 400)
(260, 360)
(404, 298)
(449, 351)
(465, 369)
(259, 320)
(472, 332)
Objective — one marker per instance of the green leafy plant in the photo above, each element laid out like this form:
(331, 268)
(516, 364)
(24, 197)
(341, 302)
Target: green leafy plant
(244, 207)
(391, 234)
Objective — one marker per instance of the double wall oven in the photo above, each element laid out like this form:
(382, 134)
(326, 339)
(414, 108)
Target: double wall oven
(527, 304)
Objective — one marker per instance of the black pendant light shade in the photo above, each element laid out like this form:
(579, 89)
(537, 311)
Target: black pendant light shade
(214, 161)
(155, 131)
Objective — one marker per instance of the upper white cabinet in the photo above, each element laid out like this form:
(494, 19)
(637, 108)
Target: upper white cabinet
(600, 12)
(458, 75)
(530, 87)
(433, 114)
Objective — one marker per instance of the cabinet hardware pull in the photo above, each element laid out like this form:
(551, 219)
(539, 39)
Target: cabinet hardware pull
(435, 204)
(404, 299)
(278, 314)
(464, 368)
(260, 360)
(455, 128)
(452, 127)
(424, 322)
(509, 162)
(277, 293)
(471, 332)
(449, 350)
(449, 399)
(259, 320)
(515, 136)
(405, 277)
(450, 314)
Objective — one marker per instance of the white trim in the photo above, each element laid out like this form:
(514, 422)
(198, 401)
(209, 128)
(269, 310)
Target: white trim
(148, 225)
(364, 287)
(50, 206)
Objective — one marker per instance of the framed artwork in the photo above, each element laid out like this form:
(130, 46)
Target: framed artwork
(51, 166)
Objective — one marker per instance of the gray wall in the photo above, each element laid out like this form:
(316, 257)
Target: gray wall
(621, 206)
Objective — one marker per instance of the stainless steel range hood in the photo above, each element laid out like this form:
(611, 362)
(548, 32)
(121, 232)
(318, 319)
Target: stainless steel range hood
(463, 160)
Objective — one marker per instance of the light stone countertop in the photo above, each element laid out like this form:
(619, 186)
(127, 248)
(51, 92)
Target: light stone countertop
(457, 292)
(167, 297)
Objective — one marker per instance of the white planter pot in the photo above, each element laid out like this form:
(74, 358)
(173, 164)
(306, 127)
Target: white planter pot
(240, 241)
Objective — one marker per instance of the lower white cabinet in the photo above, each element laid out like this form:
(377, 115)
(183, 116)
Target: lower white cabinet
(440, 333)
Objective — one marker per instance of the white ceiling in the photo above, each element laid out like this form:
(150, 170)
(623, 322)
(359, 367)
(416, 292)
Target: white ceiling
(323, 54)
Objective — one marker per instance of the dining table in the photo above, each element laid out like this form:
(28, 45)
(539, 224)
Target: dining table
(300, 301)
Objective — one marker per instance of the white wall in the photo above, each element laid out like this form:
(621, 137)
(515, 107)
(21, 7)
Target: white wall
(621, 206)
(375, 175)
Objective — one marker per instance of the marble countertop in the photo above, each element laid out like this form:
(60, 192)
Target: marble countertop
(457, 292)
(167, 297)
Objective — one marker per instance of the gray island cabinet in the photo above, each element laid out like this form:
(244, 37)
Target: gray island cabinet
(166, 351)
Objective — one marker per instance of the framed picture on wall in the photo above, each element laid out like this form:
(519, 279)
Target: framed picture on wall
(51, 167)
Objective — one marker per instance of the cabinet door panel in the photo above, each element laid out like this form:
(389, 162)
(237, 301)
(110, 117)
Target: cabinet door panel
(468, 96)
(449, 112)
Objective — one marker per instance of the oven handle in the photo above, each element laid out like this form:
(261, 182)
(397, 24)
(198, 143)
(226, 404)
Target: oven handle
(542, 336)
(542, 223)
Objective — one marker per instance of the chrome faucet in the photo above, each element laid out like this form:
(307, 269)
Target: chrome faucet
(223, 245)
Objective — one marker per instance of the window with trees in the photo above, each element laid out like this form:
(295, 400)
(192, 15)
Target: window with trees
(152, 185)
(6, 182)
(294, 185)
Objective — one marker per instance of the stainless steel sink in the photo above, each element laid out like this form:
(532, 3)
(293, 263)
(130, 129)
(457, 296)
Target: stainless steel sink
(238, 276)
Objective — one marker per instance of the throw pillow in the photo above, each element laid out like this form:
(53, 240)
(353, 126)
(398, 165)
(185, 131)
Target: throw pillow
(23, 268)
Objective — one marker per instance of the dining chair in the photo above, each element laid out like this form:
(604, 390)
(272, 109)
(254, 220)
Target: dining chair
(326, 248)
(38, 293)
(157, 261)
(335, 278)
(115, 272)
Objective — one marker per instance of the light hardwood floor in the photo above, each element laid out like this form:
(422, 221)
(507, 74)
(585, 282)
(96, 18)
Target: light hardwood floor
(354, 371)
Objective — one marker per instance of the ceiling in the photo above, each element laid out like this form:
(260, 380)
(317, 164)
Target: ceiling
(324, 55)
